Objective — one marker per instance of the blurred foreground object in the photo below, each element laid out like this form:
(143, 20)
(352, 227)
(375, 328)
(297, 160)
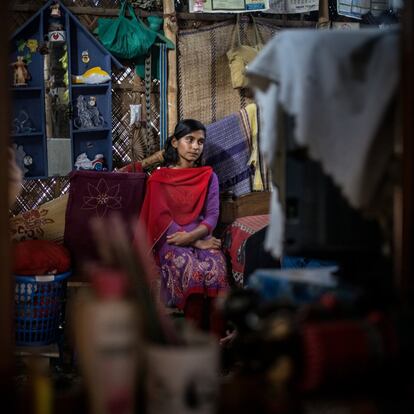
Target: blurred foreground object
(324, 347)
(130, 353)
(332, 100)
(15, 178)
(106, 332)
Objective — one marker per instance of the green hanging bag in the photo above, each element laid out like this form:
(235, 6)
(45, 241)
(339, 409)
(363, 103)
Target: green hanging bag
(125, 38)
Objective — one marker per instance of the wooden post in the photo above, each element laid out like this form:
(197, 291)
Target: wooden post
(407, 88)
(170, 30)
(323, 22)
(6, 281)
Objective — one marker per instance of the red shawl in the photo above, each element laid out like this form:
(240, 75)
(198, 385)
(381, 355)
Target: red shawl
(173, 194)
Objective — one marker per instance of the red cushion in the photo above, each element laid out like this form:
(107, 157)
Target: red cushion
(40, 257)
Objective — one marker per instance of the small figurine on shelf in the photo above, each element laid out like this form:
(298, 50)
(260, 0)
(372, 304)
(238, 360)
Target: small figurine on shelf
(97, 118)
(43, 47)
(84, 163)
(92, 76)
(83, 120)
(85, 57)
(20, 158)
(98, 162)
(32, 45)
(55, 10)
(21, 74)
(22, 124)
(88, 113)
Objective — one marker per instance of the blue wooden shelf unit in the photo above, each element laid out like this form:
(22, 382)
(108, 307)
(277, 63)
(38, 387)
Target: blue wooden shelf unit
(29, 100)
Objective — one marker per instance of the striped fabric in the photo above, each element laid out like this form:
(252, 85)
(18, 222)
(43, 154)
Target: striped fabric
(227, 150)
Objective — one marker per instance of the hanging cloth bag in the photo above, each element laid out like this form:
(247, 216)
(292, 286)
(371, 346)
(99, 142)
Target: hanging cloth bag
(125, 38)
(240, 56)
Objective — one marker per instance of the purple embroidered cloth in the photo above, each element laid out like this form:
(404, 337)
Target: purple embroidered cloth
(227, 151)
(98, 194)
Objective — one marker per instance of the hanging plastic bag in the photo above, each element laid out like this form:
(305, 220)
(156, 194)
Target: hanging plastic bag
(125, 38)
(240, 56)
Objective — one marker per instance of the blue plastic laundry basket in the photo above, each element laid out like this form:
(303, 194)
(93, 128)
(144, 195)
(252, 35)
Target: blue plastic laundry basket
(39, 308)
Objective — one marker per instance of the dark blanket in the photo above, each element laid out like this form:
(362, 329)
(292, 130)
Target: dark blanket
(99, 194)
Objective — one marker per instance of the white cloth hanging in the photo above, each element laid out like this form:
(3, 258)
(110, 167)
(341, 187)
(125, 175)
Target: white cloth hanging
(337, 85)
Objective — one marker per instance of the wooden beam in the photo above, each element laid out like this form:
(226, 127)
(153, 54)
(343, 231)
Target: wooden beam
(170, 30)
(95, 11)
(100, 11)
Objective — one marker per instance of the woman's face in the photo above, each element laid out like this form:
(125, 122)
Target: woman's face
(189, 148)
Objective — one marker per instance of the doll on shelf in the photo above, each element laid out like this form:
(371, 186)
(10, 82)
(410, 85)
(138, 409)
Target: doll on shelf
(55, 18)
(21, 74)
(55, 10)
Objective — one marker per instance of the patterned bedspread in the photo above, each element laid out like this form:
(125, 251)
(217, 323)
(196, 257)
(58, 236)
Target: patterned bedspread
(235, 238)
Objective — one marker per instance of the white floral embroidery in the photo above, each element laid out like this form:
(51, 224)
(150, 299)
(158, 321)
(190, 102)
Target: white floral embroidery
(101, 198)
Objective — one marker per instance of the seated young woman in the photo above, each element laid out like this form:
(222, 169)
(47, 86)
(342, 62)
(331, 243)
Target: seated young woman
(180, 212)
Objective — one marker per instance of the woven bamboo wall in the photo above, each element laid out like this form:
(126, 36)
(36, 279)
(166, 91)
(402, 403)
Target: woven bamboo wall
(127, 89)
(128, 144)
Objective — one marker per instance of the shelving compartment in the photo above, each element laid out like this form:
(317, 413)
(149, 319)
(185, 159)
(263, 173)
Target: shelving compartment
(25, 43)
(27, 112)
(53, 135)
(34, 149)
(82, 41)
(91, 108)
(92, 143)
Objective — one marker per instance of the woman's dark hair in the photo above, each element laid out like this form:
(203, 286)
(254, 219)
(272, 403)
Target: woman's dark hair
(183, 128)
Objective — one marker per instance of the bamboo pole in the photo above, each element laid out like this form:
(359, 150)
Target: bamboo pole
(323, 22)
(170, 30)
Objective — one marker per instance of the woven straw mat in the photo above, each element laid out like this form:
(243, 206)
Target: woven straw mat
(205, 91)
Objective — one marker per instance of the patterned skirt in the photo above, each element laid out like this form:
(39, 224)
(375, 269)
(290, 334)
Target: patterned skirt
(188, 270)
